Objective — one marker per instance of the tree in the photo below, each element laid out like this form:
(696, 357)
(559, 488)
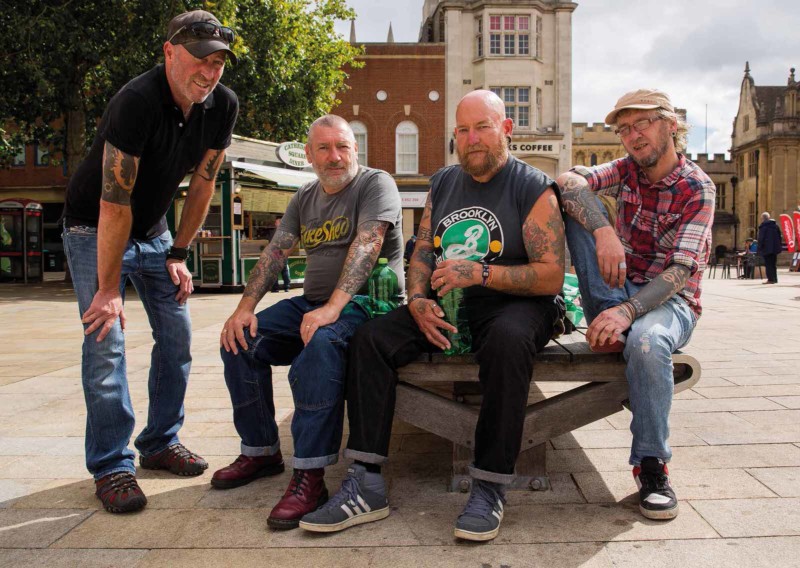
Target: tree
(61, 62)
(290, 65)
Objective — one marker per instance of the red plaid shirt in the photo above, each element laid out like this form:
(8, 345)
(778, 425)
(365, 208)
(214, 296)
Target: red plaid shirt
(663, 223)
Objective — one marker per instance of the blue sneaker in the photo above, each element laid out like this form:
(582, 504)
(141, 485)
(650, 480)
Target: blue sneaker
(362, 499)
(480, 519)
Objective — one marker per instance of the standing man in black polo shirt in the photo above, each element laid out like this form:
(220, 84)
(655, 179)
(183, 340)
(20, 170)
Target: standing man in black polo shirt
(158, 127)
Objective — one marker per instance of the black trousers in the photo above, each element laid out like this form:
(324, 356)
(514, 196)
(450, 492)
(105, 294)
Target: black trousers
(507, 331)
(771, 266)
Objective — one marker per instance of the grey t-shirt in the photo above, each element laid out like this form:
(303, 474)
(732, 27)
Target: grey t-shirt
(327, 225)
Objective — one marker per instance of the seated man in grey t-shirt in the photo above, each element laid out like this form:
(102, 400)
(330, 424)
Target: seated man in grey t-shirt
(344, 221)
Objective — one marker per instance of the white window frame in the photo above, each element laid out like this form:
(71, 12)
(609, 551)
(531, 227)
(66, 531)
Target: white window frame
(506, 40)
(406, 129)
(362, 140)
(510, 95)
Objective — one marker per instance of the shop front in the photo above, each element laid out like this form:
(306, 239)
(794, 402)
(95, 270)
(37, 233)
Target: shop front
(240, 223)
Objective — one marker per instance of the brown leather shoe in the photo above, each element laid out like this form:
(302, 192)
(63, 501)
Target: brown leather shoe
(176, 459)
(120, 493)
(246, 469)
(306, 493)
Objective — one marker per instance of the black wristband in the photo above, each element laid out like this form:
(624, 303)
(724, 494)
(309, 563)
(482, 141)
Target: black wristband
(416, 297)
(178, 253)
(484, 274)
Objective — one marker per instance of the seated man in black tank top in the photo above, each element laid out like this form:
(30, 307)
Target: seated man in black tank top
(493, 228)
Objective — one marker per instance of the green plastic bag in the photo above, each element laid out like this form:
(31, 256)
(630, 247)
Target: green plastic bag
(572, 298)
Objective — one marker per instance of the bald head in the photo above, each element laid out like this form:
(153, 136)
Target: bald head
(485, 101)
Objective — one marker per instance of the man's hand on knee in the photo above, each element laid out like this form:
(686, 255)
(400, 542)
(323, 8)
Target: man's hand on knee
(607, 327)
(233, 330)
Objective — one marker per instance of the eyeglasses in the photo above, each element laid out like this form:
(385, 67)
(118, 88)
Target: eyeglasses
(206, 30)
(638, 126)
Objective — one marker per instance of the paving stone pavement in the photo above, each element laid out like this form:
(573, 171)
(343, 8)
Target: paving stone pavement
(736, 464)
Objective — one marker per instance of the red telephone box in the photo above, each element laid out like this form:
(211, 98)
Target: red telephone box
(21, 235)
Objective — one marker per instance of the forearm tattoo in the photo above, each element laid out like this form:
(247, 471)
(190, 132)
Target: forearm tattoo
(361, 256)
(119, 175)
(581, 205)
(659, 290)
(209, 171)
(265, 272)
(422, 263)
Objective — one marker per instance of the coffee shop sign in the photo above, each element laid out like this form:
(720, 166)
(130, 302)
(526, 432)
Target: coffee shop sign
(293, 154)
(526, 147)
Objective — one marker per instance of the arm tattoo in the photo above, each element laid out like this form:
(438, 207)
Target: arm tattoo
(659, 289)
(362, 255)
(581, 205)
(265, 272)
(422, 263)
(119, 175)
(209, 172)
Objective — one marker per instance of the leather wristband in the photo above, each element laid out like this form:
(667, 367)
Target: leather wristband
(178, 253)
(416, 297)
(485, 275)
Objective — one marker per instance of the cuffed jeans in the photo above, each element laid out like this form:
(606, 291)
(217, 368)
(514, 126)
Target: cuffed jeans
(316, 377)
(110, 418)
(507, 332)
(650, 343)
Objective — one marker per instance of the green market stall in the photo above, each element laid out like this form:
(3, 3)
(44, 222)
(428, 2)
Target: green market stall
(240, 223)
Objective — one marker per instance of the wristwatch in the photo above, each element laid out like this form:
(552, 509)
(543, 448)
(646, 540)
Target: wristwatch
(178, 253)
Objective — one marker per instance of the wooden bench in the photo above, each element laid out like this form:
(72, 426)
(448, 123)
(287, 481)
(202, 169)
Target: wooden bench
(441, 395)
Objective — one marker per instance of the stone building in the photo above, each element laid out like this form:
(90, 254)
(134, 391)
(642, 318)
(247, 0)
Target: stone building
(522, 50)
(765, 148)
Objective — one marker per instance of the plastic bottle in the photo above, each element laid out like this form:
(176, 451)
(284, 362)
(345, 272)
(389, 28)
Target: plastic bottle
(455, 312)
(383, 289)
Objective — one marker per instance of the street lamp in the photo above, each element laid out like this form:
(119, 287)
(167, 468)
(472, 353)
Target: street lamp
(734, 181)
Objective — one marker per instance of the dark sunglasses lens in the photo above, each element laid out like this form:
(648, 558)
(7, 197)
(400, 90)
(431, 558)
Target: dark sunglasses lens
(227, 34)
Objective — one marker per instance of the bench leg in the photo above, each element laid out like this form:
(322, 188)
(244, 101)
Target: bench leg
(531, 472)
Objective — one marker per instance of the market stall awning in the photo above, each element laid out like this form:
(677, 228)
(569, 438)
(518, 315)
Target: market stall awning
(281, 176)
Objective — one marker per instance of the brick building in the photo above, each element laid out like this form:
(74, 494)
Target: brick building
(395, 104)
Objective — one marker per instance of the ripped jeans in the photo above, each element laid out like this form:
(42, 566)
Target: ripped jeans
(651, 341)
(316, 377)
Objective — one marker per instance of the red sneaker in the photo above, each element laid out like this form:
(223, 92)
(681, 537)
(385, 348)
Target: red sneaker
(306, 493)
(120, 493)
(246, 469)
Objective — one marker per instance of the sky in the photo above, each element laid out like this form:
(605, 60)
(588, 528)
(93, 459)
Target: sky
(695, 50)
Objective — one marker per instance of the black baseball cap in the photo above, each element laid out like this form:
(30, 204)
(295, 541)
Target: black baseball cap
(199, 45)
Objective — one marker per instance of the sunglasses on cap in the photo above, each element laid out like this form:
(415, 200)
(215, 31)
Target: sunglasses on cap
(206, 30)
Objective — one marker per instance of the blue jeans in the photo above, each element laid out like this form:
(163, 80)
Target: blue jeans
(110, 418)
(316, 377)
(650, 343)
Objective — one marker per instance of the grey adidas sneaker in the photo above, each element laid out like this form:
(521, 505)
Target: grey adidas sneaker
(362, 499)
(481, 517)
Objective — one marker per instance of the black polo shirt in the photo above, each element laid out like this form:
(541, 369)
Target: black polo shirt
(143, 120)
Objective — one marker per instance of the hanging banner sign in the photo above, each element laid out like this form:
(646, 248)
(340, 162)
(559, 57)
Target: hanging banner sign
(293, 154)
(788, 231)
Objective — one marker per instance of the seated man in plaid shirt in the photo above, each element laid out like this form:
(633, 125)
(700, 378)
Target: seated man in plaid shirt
(640, 273)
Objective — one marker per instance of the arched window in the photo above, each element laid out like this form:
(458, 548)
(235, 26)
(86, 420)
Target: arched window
(580, 159)
(407, 148)
(360, 132)
(594, 160)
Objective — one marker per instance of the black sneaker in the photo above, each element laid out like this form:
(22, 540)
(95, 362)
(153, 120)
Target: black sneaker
(362, 499)
(481, 517)
(120, 493)
(657, 500)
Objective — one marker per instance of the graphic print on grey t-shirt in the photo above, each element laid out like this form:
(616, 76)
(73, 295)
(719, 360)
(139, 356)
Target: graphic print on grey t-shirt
(471, 233)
